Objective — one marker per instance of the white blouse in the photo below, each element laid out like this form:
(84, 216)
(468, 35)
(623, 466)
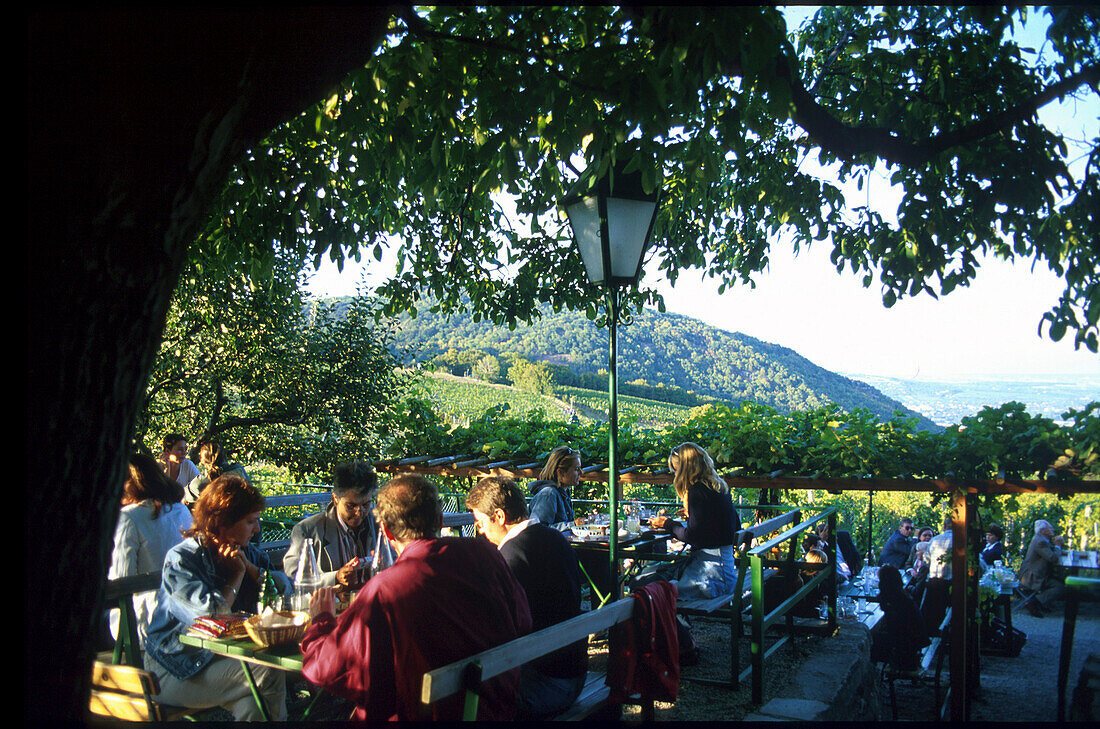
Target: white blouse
(140, 545)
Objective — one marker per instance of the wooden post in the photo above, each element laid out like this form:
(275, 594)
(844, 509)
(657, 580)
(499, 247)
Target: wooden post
(831, 582)
(756, 645)
(962, 622)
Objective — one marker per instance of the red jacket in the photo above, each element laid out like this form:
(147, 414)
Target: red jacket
(645, 651)
(442, 600)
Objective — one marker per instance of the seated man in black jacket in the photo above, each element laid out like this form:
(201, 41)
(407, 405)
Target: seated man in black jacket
(545, 565)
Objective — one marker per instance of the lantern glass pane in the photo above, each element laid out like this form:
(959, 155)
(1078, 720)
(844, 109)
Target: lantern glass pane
(584, 217)
(627, 224)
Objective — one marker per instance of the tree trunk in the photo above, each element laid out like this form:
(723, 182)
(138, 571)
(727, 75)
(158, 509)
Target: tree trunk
(135, 116)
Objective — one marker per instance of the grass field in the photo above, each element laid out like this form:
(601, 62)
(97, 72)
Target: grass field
(464, 398)
(647, 412)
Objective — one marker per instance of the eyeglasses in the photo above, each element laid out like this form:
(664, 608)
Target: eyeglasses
(908, 528)
(356, 505)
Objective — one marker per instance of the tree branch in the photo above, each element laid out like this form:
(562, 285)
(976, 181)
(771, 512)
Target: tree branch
(418, 27)
(854, 141)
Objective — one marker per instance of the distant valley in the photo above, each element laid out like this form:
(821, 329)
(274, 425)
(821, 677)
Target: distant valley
(947, 400)
(693, 362)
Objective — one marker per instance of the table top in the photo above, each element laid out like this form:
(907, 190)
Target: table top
(648, 538)
(287, 657)
(1079, 558)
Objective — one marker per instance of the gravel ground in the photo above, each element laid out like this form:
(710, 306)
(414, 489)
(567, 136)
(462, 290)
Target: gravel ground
(696, 702)
(1024, 688)
(699, 702)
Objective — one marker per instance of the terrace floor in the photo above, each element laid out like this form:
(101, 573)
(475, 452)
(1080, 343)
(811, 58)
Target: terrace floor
(1024, 688)
(1020, 689)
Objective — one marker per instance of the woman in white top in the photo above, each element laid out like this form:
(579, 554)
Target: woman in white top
(151, 522)
(174, 462)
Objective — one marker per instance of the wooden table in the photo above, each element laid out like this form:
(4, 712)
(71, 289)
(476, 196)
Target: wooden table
(1077, 589)
(648, 546)
(286, 657)
(1076, 560)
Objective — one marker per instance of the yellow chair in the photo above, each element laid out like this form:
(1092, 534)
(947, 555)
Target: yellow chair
(129, 694)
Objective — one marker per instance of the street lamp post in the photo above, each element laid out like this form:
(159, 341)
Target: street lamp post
(612, 218)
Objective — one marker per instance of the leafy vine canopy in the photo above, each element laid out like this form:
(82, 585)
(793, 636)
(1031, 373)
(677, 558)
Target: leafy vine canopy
(728, 111)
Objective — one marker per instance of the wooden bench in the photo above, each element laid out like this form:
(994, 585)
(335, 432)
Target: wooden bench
(734, 604)
(468, 673)
(930, 669)
(759, 557)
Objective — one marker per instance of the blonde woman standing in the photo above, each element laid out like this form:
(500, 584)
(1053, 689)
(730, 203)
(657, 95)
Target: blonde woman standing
(711, 523)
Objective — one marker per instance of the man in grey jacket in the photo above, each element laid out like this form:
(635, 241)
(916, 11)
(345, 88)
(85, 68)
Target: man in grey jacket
(344, 532)
(1039, 571)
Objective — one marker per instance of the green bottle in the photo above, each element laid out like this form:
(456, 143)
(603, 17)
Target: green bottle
(268, 592)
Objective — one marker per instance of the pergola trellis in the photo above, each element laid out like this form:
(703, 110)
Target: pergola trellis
(964, 666)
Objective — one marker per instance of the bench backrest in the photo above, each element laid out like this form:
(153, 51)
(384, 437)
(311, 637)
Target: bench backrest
(468, 672)
(756, 531)
(321, 498)
(120, 593)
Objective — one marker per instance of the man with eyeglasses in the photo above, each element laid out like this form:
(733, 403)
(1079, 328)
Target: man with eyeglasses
(344, 532)
(897, 547)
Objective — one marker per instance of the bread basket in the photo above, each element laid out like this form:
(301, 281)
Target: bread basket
(268, 636)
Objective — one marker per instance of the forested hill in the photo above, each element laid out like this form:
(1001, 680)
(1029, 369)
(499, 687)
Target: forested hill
(668, 350)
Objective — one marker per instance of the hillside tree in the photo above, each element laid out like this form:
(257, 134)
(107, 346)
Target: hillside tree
(249, 365)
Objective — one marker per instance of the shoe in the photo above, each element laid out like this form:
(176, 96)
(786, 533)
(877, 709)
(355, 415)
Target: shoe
(1033, 609)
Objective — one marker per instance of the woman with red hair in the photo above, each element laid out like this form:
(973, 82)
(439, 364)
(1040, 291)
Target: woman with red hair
(214, 571)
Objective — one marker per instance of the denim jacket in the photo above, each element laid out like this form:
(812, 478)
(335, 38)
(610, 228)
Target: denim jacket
(551, 505)
(190, 588)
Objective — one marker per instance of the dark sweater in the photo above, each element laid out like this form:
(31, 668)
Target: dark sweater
(712, 520)
(546, 567)
(903, 633)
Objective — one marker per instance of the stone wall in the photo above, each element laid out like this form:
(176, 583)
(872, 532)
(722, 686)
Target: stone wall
(837, 683)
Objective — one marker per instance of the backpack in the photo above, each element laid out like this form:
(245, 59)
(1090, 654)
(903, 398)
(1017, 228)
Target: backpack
(997, 640)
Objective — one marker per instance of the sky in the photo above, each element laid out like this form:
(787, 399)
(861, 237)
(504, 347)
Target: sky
(987, 329)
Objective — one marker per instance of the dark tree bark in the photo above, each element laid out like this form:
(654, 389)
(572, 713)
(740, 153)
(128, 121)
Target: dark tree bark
(135, 116)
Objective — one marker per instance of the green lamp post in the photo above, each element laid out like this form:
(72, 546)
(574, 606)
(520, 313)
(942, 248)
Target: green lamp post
(612, 218)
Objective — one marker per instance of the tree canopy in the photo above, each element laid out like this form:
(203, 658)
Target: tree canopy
(727, 110)
(254, 368)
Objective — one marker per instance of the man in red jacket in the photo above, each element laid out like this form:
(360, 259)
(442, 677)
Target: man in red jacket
(442, 600)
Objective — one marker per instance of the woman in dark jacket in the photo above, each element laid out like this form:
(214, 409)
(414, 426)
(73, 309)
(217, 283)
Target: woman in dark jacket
(711, 522)
(902, 635)
(994, 549)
